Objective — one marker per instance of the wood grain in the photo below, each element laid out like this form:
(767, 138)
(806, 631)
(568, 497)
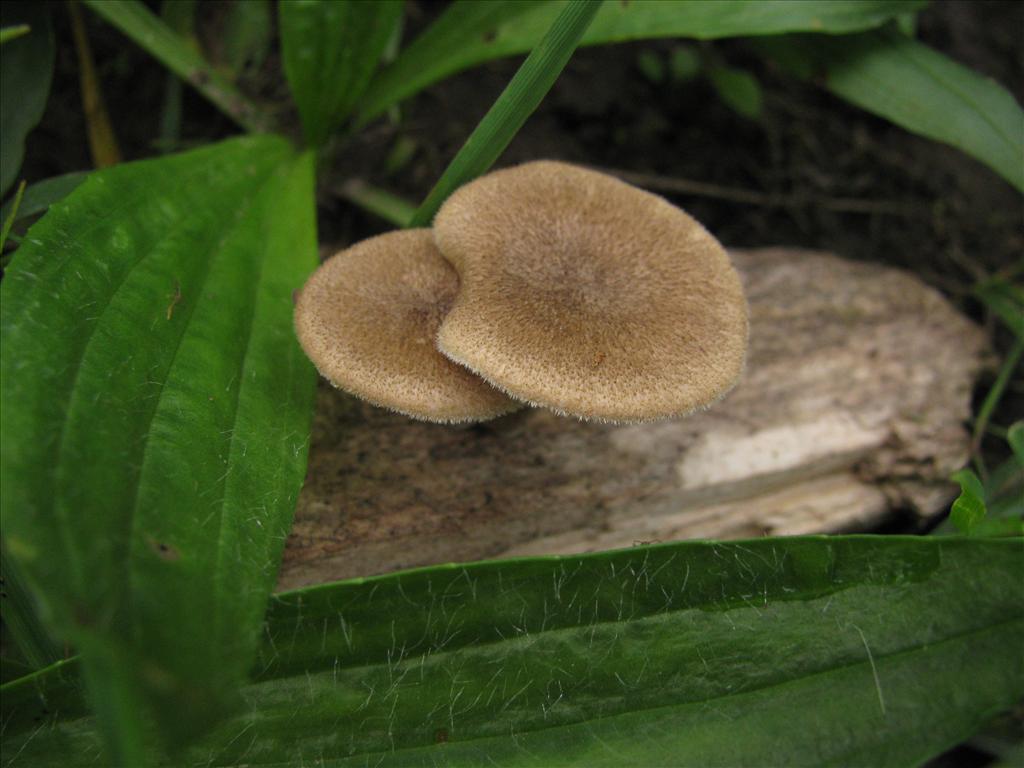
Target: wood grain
(851, 410)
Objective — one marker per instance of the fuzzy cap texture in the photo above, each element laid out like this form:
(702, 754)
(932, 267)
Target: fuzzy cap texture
(589, 296)
(368, 318)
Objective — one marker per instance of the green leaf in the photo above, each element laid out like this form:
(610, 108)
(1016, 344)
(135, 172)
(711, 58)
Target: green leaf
(739, 89)
(684, 63)
(248, 28)
(995, 392)
(377, 201)
(807, 651)
(21, 619)
(1006, 301)
(26, 69)
(7, 221)
(471, 32)
(156, 411)
(969, 508)
(41, 195)
(516, 103)
(331, 49)
(922, 90)
(652, 65)
(177, 54)
(1015, 437)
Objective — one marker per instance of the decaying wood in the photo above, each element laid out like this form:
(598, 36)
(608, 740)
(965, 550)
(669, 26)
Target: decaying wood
(852, 409)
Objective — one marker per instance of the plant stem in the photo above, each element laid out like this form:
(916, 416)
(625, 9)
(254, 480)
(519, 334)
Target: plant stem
(154, 36)
(377, 201)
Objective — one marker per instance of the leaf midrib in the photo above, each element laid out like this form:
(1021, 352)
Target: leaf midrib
(241, 213)
(218, 567)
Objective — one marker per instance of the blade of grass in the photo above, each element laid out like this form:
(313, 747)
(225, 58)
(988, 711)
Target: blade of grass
(377, 201)
(992, 399)
(179, 15)
(42, 195)
(12, 33)
(8, 219)
(1005, 301)
(21, 619)
(102, 141)
(516, 103)
(156, 38)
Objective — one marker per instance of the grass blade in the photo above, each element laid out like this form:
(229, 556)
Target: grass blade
(995, 393)
(379, 202)
(21, 619)
(40, 196)
(516, 103)
(26, 69)
(156, 38)
(14, 32)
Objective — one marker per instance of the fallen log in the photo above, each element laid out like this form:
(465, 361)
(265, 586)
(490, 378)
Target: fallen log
(851, 410)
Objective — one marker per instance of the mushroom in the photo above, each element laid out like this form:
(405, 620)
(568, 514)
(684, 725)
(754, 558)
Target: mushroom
(367, 318)
(588, 296)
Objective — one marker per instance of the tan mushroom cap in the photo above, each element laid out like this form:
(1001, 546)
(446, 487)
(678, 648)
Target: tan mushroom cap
(368, 318)
(586, 295)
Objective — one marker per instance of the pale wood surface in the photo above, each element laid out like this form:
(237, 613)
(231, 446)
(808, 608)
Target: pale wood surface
(851, 410)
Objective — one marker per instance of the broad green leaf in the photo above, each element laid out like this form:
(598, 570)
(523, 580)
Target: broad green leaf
(739, 89)
(924, 91)
(156, 410)
(969, 508)
(516, 103)
(40, 196)
(472, 32)
(176, 53)
(807, 651)
(26, 69)
(331, 49)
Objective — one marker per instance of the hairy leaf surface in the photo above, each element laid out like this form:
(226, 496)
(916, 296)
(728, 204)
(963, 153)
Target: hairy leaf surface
(807, 651)
(156, 412)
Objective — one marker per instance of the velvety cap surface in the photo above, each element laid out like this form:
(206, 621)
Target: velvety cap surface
(368, 318)
(586, 295)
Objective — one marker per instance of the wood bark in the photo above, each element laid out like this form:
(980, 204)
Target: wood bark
(851, 410)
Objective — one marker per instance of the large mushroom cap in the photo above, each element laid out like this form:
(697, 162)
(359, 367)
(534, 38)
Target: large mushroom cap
(368, 318)
(586, 295)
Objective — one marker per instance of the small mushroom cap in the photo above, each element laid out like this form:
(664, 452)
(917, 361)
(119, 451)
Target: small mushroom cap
(589, 296)
(368, 318)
